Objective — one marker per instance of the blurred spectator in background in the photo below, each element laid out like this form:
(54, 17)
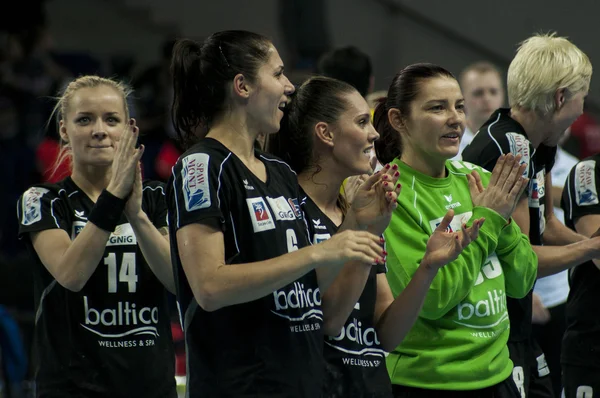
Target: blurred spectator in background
(153, 102)
(29, 76)
(12, 353)
(482, 88)
(304, 27)
(349, 65)
(584, 140)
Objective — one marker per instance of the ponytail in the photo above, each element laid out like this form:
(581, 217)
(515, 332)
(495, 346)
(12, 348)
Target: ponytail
(389, 145)
(186, 113)
(293, 143)
(201, 75)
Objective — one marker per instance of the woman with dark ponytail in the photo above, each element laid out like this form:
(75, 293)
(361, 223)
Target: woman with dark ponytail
(326, 137)
(248, 280)
(457, 346)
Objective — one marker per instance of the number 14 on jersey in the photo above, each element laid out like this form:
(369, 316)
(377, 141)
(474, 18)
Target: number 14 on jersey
(127, 272)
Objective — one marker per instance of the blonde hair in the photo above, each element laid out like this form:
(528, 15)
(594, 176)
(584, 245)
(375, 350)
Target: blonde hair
(63, 102)
(545, 63)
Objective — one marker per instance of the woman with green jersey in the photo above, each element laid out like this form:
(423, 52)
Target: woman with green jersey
(326, 136)
(457, 347)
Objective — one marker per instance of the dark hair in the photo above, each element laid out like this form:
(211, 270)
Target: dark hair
(402, 92)
(201, 73)
(349, 65)
(319, 99)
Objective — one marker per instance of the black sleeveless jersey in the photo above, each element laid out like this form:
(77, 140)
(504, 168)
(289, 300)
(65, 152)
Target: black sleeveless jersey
(113, 337)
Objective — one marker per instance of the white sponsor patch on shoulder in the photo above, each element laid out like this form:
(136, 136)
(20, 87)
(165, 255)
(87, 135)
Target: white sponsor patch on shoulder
(519, 145)
(586, 193)
(32, 205)
(196, 190)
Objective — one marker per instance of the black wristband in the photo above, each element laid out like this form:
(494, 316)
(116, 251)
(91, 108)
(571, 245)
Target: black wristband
(107, 211)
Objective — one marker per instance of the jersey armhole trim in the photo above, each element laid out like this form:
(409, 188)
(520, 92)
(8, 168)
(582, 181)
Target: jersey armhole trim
(46, 291)
(52, 211)
(237, 247)
(219, 179)
(570, 198)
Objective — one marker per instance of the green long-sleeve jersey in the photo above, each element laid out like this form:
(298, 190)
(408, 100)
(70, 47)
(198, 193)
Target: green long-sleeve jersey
(459, 340)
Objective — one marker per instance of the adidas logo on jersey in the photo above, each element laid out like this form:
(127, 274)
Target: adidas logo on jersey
(247, 186)
(80, 215)
(451, 205)
(317, 224)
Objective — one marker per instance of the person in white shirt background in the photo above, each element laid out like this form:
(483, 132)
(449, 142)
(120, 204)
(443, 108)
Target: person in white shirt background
(483, 91)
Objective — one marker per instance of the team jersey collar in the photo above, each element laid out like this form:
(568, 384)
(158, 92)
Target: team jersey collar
(503, 115)
(407, 174)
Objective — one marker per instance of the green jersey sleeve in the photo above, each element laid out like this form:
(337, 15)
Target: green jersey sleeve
(518, 261)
